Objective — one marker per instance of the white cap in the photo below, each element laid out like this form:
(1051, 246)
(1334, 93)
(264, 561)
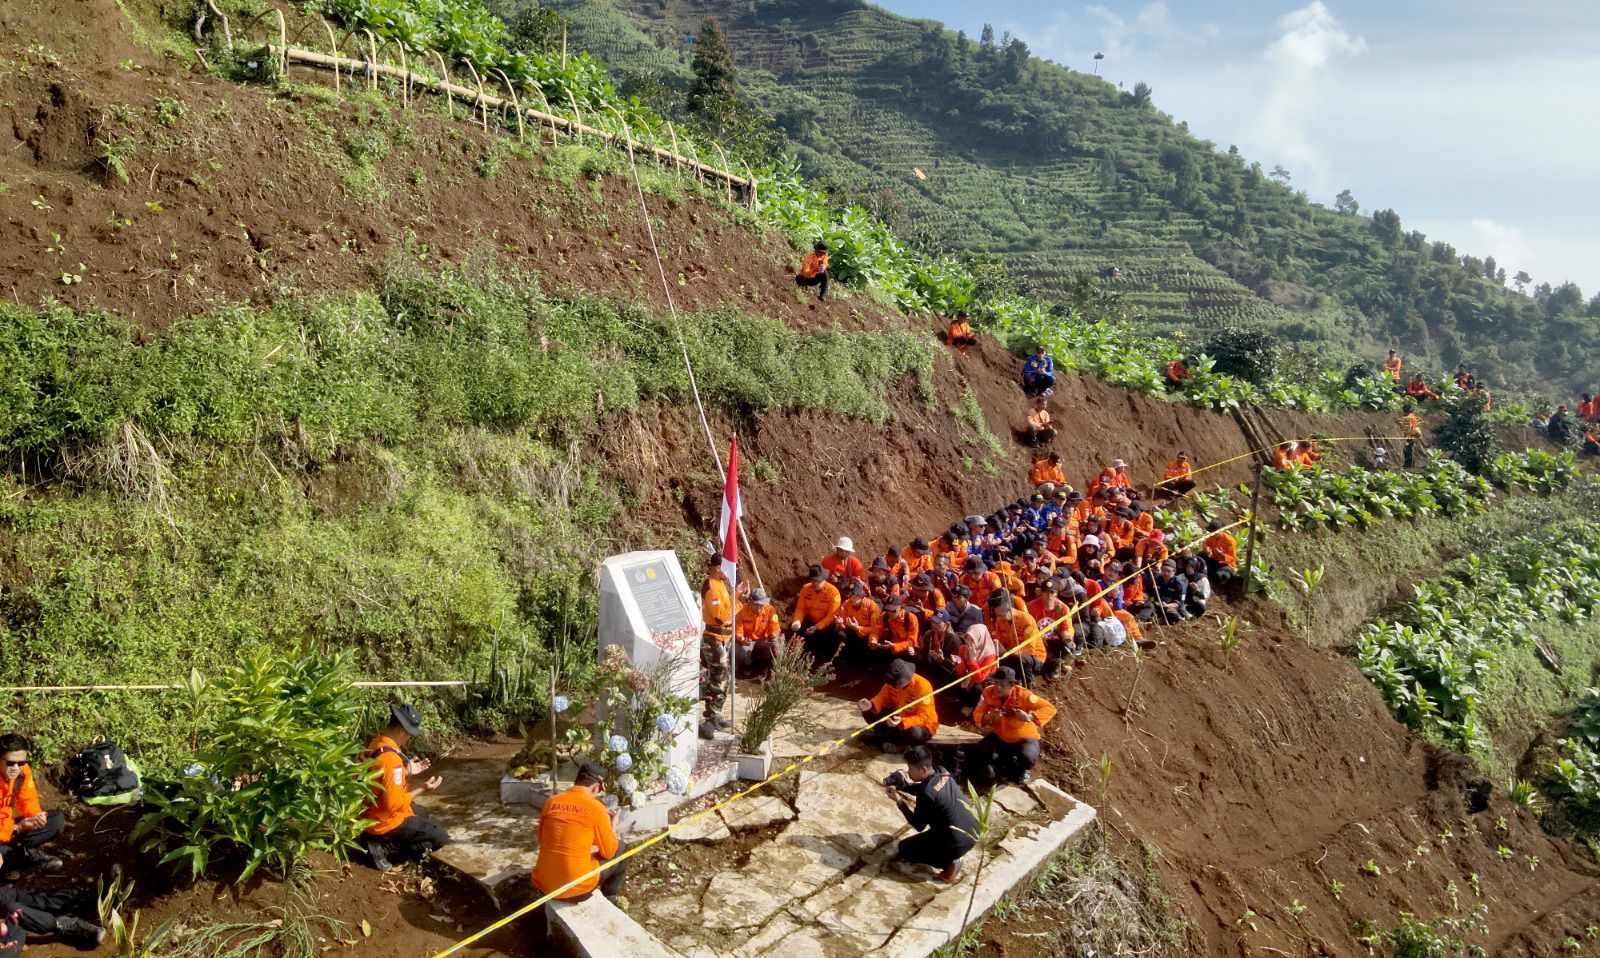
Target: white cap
(1118, 464)
(845, 544)
(1091, 541)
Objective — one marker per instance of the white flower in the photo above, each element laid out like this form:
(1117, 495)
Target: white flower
(560, 704)
(627, 784)
(677, 781)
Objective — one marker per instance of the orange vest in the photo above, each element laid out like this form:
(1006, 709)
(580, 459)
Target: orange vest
(755, 624)
(817, 605)
(1009, 727)
(890, 699)
(391, 793)
(16, 803)
(716, 608)
(813, 264)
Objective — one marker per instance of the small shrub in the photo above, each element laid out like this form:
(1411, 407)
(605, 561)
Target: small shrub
(279, 776)
(1468, 435)
(1247, 352)
(784, 696)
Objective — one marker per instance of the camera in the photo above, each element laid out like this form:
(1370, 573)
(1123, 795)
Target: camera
(896, 780)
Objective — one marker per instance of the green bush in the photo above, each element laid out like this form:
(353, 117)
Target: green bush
(1468, 435)
(277, 776)
(1247, 352)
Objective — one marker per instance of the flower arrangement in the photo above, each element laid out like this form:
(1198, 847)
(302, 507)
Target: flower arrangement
(639, 713)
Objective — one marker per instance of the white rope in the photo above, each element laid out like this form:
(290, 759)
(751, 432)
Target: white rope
(174, 688)
(694, 387)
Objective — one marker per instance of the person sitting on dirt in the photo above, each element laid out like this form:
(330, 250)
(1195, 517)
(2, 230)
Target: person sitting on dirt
(1283, 457)
(842, 564)
(1199, 585)
(980, 582)
(756, 628)
(1559, 428)
(1113, 478)
(1014, 628)
(814, 270)
(1221, 553)
(46, 913)
(1047, 470)
(1463, 377)
(1392, 366)
(25, 826)
(1172, 593)
(1011, 718)
(1411, 428)
(925, 600)
(577, 834)
(399, 825)
(1308, 455)
(1054, 618)
(1418, 389)
(1039, 373)
(1178, 479)
(860, 623)
(1591, 441)
(901, 635)
(960, 334)
(1040, 429)
(946, 828)
(1102, 629)
(1177, 374)
(904, 689)
(961, 611)
(917, 558)
(816, 609)
(716, 613)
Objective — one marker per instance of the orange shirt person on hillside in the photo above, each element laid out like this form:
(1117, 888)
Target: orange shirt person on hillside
(1048, 470)
(577, 833)
(1418, 389)
(1010, 717)
(399, 825)
(814, 270)
(959, 334)
(1178, 480)
(1392, 366)
(1283, 457)
(25, 826)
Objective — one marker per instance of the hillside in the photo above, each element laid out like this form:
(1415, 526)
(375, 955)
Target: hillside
(986, 150)
(343, 374)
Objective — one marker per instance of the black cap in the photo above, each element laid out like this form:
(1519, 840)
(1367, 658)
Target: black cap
(899, 673)
(999, 598)
(407, 717)
(975, 563)
(961, 591)
(820, 246)
(1214, 525)
(919, 545)
(818, 575)
(880, 563)
(892, 602)
(922, 583)
(1005, 673)
(590, 771)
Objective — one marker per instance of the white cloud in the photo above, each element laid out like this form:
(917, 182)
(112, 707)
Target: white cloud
(1120, 37)
(1549, 255)
(1309, 39)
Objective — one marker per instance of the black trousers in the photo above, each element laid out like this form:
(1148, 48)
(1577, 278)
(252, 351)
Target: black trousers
(1410, 452)
(994, 759)
(887, 734)
(39, 910)
(823, 645)
(54, 820)
(613, 880)
(821, 279)
(417, 834)
(936, 846)
(1036, 384)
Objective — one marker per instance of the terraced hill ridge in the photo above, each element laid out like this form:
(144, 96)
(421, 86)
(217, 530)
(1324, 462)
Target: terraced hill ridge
(987, 150)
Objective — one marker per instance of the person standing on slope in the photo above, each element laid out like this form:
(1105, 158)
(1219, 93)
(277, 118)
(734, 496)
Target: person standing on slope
(814, 270)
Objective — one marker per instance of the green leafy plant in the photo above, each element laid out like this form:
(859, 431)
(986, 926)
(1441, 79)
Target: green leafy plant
(1524, 796)
(784, 696)
(114, 156)
(278, 776)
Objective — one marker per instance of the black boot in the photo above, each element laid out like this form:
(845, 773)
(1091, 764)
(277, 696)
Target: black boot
(380, 854)
(81, 933)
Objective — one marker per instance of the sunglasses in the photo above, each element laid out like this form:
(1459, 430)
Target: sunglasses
(16, 764)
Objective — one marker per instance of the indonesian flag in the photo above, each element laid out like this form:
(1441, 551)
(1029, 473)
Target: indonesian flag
(728, 524)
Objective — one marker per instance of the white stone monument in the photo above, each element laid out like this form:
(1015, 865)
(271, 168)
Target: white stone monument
(647, 607)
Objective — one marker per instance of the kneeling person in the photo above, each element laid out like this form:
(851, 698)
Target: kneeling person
(399, 825)
(1011, 718)
(946, 827)
(24, 824)
(916, 725)
(577, 834)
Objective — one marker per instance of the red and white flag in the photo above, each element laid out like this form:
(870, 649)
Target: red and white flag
(728, 524)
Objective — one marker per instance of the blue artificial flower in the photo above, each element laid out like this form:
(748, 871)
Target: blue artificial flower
(627, 784)
(560, 704)
(618, 743)
(624, 762)
(666, 724)
(677, 782)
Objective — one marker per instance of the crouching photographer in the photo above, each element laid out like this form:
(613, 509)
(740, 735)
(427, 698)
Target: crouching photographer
(946, 826)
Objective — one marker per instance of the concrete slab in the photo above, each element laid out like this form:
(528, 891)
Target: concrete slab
(850, 809)
(490, 843)
(803, 858)
(707, 828)
(733, 902)
(757, 811)
(777, 930)
(834, 718)
(595, 928)
(813, 942)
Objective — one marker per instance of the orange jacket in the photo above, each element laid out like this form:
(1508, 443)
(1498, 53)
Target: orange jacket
(817, 605)
(1412, 425)
(1179, 469)
(890, 699)
(1585, 410)
(17, 803)
(1021, 630)
(1011, 728)
(756, 624)
(902, 628)
(1222, 547)
(571, 825)
(1044, 471)
(1129, 623)
(863, 615)
(842, 569)
(981, 584)
(1149, 552)
(1282, 458)
(1392, 367)
(960, 328)
(916, 562)
(391, 793)
(813, 264)
(716, 608)
(1132, 592)
(1178, 371)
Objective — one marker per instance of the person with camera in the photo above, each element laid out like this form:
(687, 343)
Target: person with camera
(577, 834)
(946, 827)
(1011, 718)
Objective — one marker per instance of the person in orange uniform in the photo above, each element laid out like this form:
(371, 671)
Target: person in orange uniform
(1222, 554)
(1040, 428)
(1283, 456)
(902, 687)
(918, 558)
(1011, 718)
(1177, 374)
(756, 628)
(717, 612)
(860, 620)
(25, 827)
(975, 575)
(577, 834)
(842, 565)
(1048, 470)
(1392, 366)
(1412, 427)
(399, 825)
(960, 334)
(901, 629)
(1013, 628)
(1418, 389)
(814, 270)
(1179, 477)
(815, 611)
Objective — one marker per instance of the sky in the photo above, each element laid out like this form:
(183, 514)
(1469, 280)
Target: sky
(1478, 122)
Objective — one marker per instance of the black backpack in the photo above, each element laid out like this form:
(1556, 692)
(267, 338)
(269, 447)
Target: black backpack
(98, 770)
